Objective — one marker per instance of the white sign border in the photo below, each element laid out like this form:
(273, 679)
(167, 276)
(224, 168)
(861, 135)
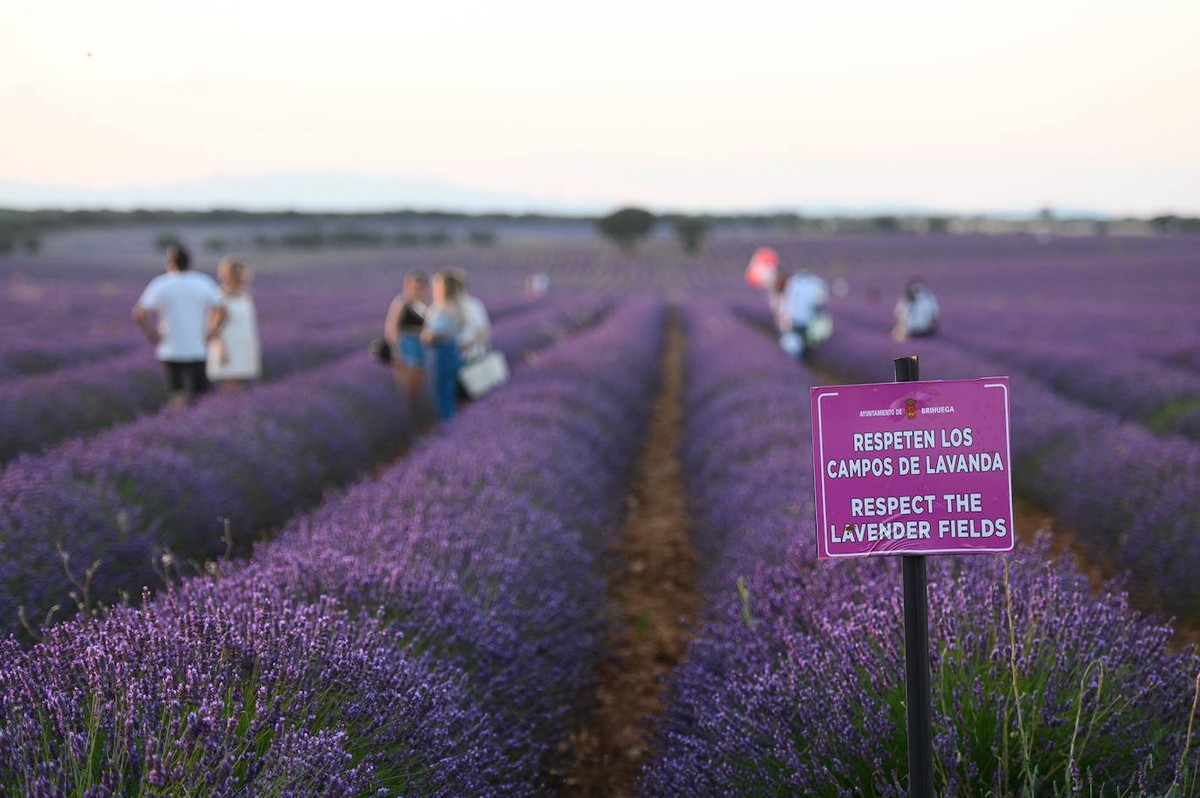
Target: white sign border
(823, 533)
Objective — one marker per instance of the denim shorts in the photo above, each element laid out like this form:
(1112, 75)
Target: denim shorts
(412, 353)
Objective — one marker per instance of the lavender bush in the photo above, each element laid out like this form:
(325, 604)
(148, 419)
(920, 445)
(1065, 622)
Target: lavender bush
(1127, 492)
(50, 326)
(794, 684)
(174, 480)
(1164, 398)
(428, 632)
(1039, 688)
(43, 410)
(39, 412)
(229, 691)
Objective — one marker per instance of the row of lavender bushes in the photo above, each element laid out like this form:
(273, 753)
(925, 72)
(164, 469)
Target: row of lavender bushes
(426, 633)
(62, 324)
(1116, 379)
(794, 683)
(171, 490)
(1123, 297)
(39, 411)
(76, 323)
(1130, 495)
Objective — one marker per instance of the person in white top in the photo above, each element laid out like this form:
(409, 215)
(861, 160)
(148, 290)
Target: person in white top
(803, 298)
(916, 312)
(234, 355)
(179, 312)
(476, 334)
(537, 285)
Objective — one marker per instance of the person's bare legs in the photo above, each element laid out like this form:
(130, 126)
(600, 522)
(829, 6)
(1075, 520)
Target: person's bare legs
(412, 380)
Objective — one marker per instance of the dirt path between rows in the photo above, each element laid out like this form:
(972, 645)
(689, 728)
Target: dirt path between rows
(652, 594)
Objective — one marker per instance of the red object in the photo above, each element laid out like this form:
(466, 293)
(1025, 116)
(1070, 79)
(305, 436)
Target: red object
(763, 266)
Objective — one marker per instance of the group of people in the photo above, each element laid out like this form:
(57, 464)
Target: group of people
(430, 340)
(799, 303)
(204, 332)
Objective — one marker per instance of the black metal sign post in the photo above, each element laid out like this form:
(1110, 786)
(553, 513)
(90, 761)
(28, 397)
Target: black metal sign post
(916, 649)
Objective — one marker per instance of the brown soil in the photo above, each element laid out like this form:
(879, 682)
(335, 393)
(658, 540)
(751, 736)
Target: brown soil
(652, 595)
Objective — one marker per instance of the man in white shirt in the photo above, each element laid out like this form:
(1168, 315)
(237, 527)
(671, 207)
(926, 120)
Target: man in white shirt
(188, 309)
(804, 296)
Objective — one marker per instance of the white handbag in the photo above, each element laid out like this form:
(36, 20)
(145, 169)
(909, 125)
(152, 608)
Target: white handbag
(482, 374)
(820, 328)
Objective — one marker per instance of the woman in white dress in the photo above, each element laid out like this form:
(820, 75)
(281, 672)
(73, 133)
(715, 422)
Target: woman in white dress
(234, 354)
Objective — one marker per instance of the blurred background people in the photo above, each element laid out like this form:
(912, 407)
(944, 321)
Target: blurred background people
(444, 324)
(476, 334)
(402, 331)
(234, 354)
(537, 285)
(801, 314)
(179, 312)
(916, 312)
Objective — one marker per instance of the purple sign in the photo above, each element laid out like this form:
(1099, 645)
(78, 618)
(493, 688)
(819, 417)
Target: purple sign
(912, 468)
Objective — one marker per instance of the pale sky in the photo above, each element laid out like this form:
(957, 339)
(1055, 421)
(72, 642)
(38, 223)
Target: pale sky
(956, 105)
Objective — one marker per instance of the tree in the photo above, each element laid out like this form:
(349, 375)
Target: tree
(166, 240)
(691, 231)
(627, 226)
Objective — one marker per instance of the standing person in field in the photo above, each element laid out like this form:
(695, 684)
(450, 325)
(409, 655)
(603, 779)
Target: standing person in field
(916, 312)
(476, 334)
(801, 307)
(402, 331)
(234, 355)
(537, 285)
(444, 323)
(179, 312)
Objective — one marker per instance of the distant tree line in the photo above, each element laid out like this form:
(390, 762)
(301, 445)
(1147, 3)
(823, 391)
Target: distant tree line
(343, 237)
(22, 231)
(628, 226)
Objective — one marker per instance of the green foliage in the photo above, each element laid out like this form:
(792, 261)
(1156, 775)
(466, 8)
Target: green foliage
(939, 225)
(691, 231)
(1024, 732)
(355, 237)
(627, 226)
(439, 238)
(164, 240)
(1171, 223)
(482, 238)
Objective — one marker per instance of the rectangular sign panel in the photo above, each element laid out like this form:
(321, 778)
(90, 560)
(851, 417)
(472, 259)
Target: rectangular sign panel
(912, 468)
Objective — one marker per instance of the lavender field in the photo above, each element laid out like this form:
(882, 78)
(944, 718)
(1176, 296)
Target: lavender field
(290, 591)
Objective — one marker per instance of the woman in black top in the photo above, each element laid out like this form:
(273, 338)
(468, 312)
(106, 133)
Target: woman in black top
(402, 331)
